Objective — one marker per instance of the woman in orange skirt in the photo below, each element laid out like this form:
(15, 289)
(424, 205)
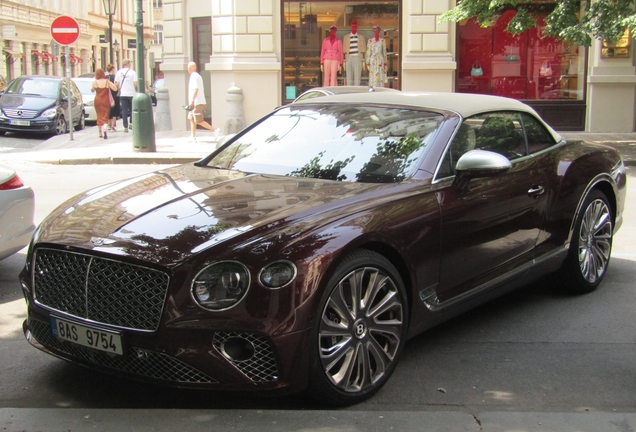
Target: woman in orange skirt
(102, 86)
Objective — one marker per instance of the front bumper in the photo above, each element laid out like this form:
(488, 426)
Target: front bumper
(36, 125)
(186, 359)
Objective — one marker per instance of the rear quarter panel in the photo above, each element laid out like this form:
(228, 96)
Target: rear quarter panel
(574, 167)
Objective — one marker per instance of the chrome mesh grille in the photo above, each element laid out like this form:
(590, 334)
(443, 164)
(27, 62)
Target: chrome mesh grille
(140, 362)
(261, 367)
(26, 114)
(100, 290)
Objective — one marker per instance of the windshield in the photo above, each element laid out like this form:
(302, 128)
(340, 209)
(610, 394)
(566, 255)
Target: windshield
(372, 144)
(84, 86)
(44, 87)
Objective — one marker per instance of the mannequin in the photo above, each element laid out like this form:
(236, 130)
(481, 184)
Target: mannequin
(376, 59)
(331, 58)
(354, 47)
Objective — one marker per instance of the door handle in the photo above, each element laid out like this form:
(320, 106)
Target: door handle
(536, 191)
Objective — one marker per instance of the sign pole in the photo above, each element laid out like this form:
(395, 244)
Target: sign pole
(65, 31)
(68, 94)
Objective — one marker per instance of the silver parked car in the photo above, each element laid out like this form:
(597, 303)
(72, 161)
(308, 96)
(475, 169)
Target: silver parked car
(17, 205)
(84, 85)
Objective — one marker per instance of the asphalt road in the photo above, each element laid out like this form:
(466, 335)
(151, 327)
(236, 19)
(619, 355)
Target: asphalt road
(533, 357)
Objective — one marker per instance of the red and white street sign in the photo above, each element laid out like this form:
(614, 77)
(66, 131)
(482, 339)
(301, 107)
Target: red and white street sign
(65, 30)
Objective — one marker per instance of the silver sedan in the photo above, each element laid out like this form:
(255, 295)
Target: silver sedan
(17, 205)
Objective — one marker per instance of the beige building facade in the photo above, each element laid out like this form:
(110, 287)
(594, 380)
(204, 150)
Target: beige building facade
(28, 47)
(246, 44)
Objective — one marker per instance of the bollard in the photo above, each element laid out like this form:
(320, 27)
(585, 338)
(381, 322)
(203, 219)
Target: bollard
(234, 117)
(143, 125)
(162, 113)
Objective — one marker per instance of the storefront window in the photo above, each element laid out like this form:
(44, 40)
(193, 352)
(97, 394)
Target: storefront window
(307, 24)
(528, 66)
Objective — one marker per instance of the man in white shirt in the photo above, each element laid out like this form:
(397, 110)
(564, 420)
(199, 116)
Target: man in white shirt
(197, 102)
(127, 80)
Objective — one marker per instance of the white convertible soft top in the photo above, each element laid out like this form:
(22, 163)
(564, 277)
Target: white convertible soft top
(464, 104)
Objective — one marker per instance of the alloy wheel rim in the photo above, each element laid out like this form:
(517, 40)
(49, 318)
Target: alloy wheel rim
(60, 126)
(360, 330)
(595, 241)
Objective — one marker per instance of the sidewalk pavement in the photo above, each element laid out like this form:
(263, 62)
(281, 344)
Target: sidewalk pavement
(86, 148)
(173, 147)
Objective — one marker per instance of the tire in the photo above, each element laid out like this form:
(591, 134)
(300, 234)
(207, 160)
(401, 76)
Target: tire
(61, 126)
(82, 123)
(359, 334)
(590, 248)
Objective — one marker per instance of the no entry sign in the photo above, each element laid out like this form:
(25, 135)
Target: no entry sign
(65, 30)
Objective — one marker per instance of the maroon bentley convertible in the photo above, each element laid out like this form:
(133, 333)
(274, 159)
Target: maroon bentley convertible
(310, 247)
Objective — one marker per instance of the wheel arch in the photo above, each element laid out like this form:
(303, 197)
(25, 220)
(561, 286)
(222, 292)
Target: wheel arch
(398, 261)
(603, 184)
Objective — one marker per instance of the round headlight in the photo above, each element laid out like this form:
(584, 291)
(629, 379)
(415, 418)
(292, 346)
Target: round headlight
(221, 285)
(277, 274)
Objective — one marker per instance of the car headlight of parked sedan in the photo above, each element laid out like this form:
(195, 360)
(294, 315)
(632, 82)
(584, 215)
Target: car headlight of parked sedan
(50, 113)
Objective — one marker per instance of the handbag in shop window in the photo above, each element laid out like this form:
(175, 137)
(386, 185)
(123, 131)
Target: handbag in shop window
(546, 69)
(476, 70)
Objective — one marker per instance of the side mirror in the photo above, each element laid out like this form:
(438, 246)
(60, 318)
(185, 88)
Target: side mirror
(478, 164)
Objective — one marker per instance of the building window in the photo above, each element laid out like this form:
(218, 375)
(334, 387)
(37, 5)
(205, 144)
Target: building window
(307, 24)
(528, 66)
(157, 4)
(158, 34)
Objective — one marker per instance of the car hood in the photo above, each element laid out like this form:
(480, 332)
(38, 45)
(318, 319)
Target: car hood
(167, 216)
(26, 102)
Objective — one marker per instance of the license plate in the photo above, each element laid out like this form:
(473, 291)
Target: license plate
(91, 337)
(21, 122)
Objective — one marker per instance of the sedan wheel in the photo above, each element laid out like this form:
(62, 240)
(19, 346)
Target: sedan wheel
(82, 123)
(361, 331)
(591, 245)
(60, 126)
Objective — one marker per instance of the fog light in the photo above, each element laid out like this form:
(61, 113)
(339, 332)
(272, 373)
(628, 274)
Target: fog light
(237, 349)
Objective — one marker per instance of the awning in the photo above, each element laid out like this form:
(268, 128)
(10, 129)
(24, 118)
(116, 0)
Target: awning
(39, 54)
(49, 56)
(11, 53)
(75, 59)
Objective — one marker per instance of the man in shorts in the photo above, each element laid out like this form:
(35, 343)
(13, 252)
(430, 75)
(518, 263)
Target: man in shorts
(197, 102)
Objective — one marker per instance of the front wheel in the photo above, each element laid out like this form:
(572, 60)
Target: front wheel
(361, 330)
(591, 246)
(81, 124)
(60, 125)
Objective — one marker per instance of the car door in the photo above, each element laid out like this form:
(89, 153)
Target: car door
(76, 102)
(490, 227)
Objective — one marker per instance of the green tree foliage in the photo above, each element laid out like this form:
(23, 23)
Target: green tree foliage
(571, 20)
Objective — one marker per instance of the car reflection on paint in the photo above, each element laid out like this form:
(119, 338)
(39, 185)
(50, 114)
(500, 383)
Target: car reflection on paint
(307, 249)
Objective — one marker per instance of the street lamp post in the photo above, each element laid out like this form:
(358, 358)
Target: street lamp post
(116, 46)
(110, 7)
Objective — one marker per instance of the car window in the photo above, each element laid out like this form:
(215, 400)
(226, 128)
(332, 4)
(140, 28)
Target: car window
(75, 91)
(310, 95)
(84, 86)
(369, 144)
(500, 132)
(34, 86)
(538, 136)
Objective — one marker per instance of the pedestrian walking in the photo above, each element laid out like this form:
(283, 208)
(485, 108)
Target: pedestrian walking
(197, 102)
(114, 109)
(126, 78)
(102, 87)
